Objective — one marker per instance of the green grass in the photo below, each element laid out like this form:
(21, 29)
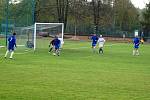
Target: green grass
(77, 74)
(2, 41)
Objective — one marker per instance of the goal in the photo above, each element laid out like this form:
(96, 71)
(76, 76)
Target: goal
(43, 32)
(38, 35)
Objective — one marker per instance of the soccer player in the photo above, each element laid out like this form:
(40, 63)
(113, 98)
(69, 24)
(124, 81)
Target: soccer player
(136, 42)
(101, 42)
(94, 39)
(57, 44)
(142, 38)
(11, 45)
(51, 45)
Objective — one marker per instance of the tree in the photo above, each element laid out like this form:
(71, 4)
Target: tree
(21, 14)
(96, 13)
(2, 12)
(146, 20)
(62, 10)
(83, 15)
(2, 5)
(125, 15)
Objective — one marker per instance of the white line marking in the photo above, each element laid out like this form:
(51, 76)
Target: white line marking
(17, 45)
(2, 46)
(26, 51)
(19, 53)
(89, 47)
(20, 45)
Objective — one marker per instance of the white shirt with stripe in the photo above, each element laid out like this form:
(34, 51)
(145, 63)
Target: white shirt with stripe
(101, 41)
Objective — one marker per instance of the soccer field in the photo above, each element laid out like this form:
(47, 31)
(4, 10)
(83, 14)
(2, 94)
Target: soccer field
(77, 74)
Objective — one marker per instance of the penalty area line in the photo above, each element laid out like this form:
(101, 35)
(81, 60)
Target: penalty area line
(89, 47)
(21, 53)
(2, 46)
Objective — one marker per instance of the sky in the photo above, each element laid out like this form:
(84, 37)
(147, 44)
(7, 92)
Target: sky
(140, 3)
(15, 1)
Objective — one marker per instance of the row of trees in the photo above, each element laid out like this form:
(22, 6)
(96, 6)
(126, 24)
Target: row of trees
(100, 14)
(146, 20)
(79, 16)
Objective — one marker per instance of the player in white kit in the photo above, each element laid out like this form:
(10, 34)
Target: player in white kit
(101, 42)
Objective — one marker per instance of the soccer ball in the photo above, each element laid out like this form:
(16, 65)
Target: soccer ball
(54, 54)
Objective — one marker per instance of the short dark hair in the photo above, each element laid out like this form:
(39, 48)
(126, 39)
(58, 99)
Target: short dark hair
(14, 33)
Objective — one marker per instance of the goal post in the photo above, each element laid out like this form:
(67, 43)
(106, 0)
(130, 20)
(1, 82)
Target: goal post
(50, 29)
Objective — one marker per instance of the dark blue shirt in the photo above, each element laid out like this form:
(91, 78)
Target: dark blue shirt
(12, 41)
(57, 42)
(94, 39)
(136, 41)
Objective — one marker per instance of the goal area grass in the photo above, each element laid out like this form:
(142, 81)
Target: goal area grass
(77, 74)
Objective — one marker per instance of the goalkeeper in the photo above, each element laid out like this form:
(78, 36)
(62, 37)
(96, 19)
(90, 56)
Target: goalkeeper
(51, 45)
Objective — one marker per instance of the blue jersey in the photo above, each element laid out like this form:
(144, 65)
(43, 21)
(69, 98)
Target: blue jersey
(57, 43)
(94, 40)
(136, 42)
(11, 42)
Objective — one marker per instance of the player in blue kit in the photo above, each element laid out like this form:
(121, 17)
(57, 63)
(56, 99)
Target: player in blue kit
(94, 39)
(57, 44)
(136, 42)
(11, 45)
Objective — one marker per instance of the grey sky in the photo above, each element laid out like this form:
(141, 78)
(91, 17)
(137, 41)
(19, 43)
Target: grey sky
(138, 3)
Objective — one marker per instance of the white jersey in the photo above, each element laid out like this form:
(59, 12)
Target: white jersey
(101, 42)
(61, 42)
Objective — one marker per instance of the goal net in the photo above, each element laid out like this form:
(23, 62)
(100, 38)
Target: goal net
(24, 37)
(38, 35)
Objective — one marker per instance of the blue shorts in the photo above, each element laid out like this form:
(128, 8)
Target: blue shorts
(56, 47)
(11, 48)
(93, 44)
(136, 46)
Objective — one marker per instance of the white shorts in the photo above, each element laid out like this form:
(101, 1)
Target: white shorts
(101, 45)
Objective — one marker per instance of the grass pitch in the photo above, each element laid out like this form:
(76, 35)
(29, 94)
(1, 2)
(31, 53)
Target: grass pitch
(77, 74)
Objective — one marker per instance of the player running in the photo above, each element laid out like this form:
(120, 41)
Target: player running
(101, 42)
(136, 42)
(11, 45)
(57, 44)
(94, 39)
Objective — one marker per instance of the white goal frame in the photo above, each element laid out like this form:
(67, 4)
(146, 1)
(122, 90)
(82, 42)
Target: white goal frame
(62, 24)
